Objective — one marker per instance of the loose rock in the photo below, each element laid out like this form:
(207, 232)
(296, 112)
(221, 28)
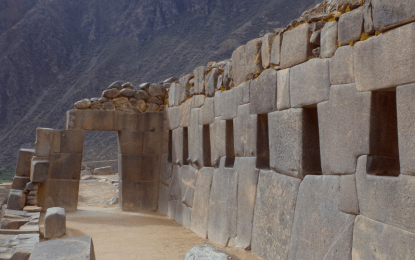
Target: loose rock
(82, 104)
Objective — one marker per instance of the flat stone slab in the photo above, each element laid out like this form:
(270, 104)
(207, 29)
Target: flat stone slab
(205, 252)
(391, 13)
(68, 248)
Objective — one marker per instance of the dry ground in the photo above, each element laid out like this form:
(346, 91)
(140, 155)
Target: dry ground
(126, 235)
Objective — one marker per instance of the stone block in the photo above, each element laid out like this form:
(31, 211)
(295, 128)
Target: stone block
(350, 26)
(195, 140)
(166, 170)
(174, 95)
(138, 168)
(344, 126)
(184, 113)
(39, 169)
(107, 170)
(309, 83)
(385, 199)
(368, 26)
(276, 50)
(59, 193)
(138, 196)
(242, 93)
(19, 183)
(177, 146)
(217, 103)
(72, 141)
(388, 14)
(228, 104)
(16, 200)
(171, 209)
(130, 142)
(245, 132)
(198, 101)
(149, 122)
(65, 166)
(24, 162)
(247, 188)
(341, 66)
(296, 46)
(217, 140)
(184, 88)
(187, 180)
(67, 248)
(47, 142)
(205, 252)
(246, 61)
(328, 40)
(376, 58)
(283, 89)
(263, 92)
(153, 143)
(175, 190)
(200, 210)
(266, 48)
(274, 215)
(320, 230)
(163, 204)
(348, 195)
(186, 216)
(294, 142)
(207, 112)
(55, 222)
(228, 75)
(199, 79)
(101, 120)
(178, 216)
(375, 240)
(223, 205)
(173, 117)
(211, 82)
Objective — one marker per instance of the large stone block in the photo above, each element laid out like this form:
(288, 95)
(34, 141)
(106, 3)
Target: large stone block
(217, 103)
(184, 113)
(174, 94)
(163, 204)
(72, 141)
(350, 26)
(55, 222)
(211, 82)
(184, 88)
(24, 162)
(341, 66)
(65, 166)
(276, 50)
(130, 142)
(283, 89)
(294, 142)
(246, 61)
(47, 142)
(266, 48)
(195, 134)
(375, 240)
(348, 195)
(186, 216)
(386, 199)
(39, 169)
(138, 167)
(153, 143)
(200, 210)
(245, 132)
(247, 189)
(177, 146)
(172, 209)
(242, 93)
(320, 230)
(67, 248)
(207, 112)
(173, 118)
(344, 125)
(149, 122)
(166, 170)
(376, 60)
(178, 216)
(274, 215)
(309, 83)
(296, 47)
(59, 193)
(217, 140)
(19, 183)
(198, 101)
(263, 92)
(328, 40)
(199, 80)
(223, 205)
(137, 196)
(228, 104)
(388, 14)
(188, 176)
(175, 190)
(16, 200)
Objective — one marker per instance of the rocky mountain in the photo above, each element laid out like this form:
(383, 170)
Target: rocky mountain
(55, 52)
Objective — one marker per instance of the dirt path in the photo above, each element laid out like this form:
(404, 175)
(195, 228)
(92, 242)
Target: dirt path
(125, 235)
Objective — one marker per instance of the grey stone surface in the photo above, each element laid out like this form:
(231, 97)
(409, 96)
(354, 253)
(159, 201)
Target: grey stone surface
(175, 190)
(200, 209)
(55, 222)
(39, 169)
(242, 92)
(315, 38)
(406, 127)
(228, 104)
(227, 75)
(177, 146)
(217, 140)
(188, 176)
(67, 248)
(341, 66)
(183, 91)
(195, 139)
(245, 132)
(388, 14)
(207, 112)
(309, 83)
(24, 162)
(266, 48)
(144, 168)
(174, 95)
(276, 50)
(178, 217)
(163, 204)
(171, 213)
(19, 183)
(211, 82)
(375, 240)
(198, 101)
(156, 90)
(274, 214)
(47, 142)
(130, 142)
(186, 216)
(223, 205)
(205, 252)
(59, 193)
(350, 26)
(16, 200)
(138, 196)
(386, 199)
(263, 92)
(199, 79)
(368, 26)
(217, 103)
(296, 46)
(247, 188)
(140, 95)
(184, 113)
(294, 142)
(320, 230)
(328, 40)
(246, 61)
(154, 100)
(173, 118)
(374, 58)
(344, 129)
(72, 141)
(349, 202)
(283, 89)
(107, 170)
